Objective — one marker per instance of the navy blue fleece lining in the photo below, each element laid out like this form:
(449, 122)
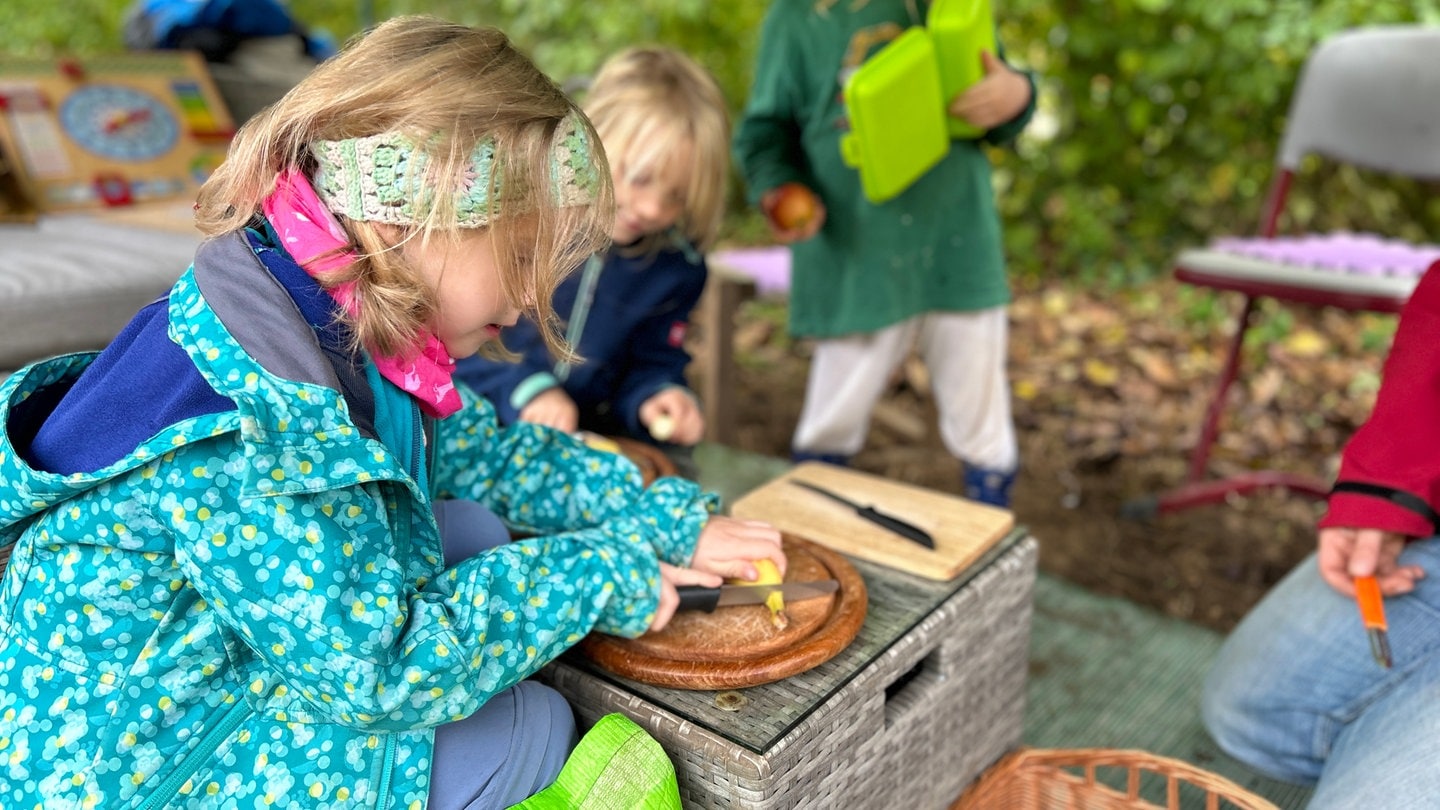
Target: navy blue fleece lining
(142, 382)
(139, 385)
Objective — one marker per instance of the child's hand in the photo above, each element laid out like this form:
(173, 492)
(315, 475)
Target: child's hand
(673, 416)
(787, 227)
(553, 408)
(1346, 553)
(672, 576)
(995, 99)
(728, 547)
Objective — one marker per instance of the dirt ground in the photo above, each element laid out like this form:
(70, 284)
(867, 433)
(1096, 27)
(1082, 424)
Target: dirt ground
(1109, 393)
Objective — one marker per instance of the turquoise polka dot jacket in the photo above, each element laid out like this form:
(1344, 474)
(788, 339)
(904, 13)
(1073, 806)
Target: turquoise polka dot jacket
(247, 607)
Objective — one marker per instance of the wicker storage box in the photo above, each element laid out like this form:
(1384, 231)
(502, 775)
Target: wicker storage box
(1102, 779)
(910, 729)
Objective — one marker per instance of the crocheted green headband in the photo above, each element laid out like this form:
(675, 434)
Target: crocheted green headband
(376, 178)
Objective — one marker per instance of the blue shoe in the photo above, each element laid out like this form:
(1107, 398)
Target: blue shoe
(838, 459)
(989, 486)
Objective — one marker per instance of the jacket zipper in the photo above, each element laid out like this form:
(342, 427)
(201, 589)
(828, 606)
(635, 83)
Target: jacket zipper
(387, 768)
(419, 448)
(419, 462)
(232, 719)
(580, 310)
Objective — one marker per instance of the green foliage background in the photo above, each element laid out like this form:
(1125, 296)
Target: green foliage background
(1158, 124)
(1166, 117)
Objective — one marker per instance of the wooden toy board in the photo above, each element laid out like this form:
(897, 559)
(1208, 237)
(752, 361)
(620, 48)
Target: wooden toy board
(17, 199)
(112, 130)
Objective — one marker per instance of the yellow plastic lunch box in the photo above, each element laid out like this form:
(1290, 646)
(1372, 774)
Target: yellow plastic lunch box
(897, 99)
(897, 128)
(960, 29)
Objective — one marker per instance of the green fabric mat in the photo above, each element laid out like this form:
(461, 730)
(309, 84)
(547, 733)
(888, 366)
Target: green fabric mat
(1105, 673)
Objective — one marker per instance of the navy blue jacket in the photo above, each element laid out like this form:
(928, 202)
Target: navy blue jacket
(631, 320)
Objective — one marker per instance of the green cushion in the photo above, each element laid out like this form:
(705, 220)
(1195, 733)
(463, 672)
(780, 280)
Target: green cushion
(616, 764)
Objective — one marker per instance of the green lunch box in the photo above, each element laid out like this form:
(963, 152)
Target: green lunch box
(897, 121)
(960, 30)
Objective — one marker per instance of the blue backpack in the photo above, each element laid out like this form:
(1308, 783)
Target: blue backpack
(213, 27)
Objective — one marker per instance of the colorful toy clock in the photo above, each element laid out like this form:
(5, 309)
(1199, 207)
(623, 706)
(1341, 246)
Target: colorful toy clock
(119, 122)
(114, 130)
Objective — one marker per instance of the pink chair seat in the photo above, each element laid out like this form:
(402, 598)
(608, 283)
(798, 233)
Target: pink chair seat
(768, 267)
(1350, 270)
(1364, 254)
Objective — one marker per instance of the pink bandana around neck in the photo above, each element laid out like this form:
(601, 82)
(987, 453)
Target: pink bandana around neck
(314, 238)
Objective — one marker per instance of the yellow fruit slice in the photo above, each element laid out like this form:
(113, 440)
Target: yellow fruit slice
(769, 574)
(597, 442)
(663, 427)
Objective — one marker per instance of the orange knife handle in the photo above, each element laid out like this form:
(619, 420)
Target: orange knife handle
(1372, 604)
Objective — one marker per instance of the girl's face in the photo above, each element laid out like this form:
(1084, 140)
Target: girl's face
(463, 273)
(651, 200)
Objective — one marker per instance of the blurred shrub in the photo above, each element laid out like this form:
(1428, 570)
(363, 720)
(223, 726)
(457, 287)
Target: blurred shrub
(1158, 128)
(1158, 121)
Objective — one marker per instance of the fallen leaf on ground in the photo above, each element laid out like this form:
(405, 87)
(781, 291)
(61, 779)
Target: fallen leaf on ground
(1306, 343)
(1156, 367)
(1101, 373)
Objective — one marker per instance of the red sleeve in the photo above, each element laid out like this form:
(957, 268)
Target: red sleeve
(1397, 450)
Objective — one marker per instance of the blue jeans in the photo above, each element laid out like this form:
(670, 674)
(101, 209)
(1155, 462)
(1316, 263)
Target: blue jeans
(1295, 693)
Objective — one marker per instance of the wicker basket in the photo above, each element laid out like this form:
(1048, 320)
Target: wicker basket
(1076, 779)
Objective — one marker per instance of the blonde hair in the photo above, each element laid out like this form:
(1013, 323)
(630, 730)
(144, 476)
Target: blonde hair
(446, 87)
(645, 102)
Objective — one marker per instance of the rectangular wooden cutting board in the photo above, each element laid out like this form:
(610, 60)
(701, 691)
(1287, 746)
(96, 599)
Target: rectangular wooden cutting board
(963, 530)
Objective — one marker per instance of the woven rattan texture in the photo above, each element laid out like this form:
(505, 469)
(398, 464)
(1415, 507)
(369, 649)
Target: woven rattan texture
(1102, 779)
(897, 603)
(911, 728)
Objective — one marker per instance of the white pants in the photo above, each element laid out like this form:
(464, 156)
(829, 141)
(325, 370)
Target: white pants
(965, 353)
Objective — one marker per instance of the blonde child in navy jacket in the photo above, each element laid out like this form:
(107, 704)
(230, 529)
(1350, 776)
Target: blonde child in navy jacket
(664, 127)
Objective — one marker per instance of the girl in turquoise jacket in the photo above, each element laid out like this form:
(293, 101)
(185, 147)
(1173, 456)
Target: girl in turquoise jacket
(227, 585)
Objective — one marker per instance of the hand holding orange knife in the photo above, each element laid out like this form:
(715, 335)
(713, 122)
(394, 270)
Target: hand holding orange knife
(1372, 613)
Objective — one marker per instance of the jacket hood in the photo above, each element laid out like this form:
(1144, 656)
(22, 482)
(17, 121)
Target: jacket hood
(262, 338)
(25, 399)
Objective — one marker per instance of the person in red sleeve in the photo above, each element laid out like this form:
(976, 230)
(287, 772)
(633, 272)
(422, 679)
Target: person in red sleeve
(1295, 692)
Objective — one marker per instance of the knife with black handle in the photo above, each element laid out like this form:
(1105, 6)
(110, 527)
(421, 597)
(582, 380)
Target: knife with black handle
(699, 597)
(903, 528)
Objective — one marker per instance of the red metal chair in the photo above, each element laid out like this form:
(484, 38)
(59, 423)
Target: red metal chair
(1368, 97)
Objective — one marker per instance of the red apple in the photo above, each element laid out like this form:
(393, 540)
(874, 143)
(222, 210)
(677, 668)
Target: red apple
(795, 206)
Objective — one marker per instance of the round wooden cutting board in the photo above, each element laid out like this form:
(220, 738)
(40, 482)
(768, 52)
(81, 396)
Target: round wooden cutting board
(651, 460)
(736, 647)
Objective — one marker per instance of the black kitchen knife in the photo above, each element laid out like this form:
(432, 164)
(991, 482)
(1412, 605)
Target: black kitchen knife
(698, 597)
(907, 530)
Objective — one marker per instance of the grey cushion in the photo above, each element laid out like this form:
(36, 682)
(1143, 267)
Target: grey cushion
(72, 282)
